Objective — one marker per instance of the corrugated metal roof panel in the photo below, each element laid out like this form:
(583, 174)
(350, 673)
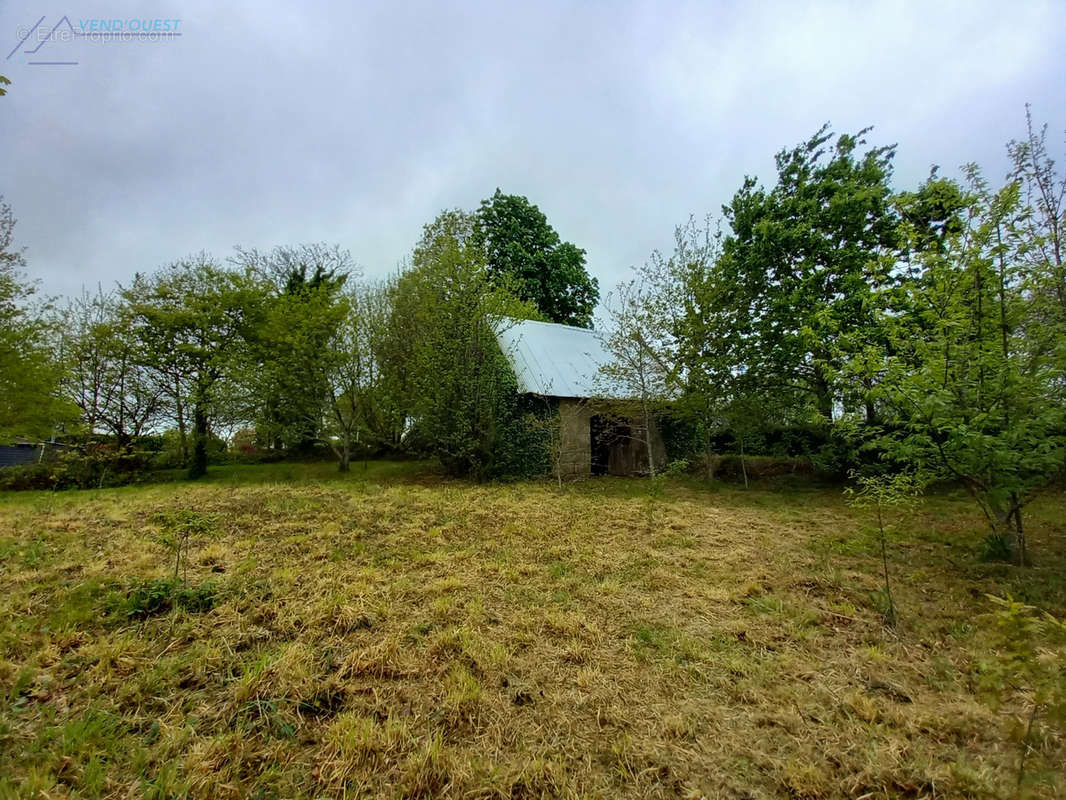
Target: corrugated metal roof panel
(552, 359)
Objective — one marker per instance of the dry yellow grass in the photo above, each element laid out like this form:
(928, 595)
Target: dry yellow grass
(422, 638)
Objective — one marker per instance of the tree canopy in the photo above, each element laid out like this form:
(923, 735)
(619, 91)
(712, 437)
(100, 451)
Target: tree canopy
(31, 402)
(520, 244)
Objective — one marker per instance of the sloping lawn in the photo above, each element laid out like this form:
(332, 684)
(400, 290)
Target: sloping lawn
(393, 634)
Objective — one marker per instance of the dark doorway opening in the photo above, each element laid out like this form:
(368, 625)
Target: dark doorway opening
(608, 436)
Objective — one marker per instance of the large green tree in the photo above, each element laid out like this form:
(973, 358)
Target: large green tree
(194, 321)
(461, 389)
(801, 266)
(291, 348)
(31, 403)
(540, 268)
(692, 297)
(968, 392)
(105, 375)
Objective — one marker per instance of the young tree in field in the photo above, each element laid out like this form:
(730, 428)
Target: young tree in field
(31, 403)
(193, 321)
(106, 376)
(641, 371)
(968, 394)
(460, 386)
(538, 266)
(886, 495)
(1028, 666)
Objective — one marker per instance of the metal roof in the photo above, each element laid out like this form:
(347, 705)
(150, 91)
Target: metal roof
(554, 360)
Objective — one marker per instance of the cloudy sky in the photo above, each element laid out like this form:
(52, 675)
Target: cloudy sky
(356, 123)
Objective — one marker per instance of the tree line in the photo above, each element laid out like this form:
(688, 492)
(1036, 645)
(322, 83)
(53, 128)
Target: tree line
(292, 344)
(919, 329)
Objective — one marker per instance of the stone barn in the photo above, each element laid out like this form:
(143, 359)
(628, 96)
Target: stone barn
(599, 435)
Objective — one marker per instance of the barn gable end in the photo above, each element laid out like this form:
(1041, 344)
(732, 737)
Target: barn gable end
(564, 363)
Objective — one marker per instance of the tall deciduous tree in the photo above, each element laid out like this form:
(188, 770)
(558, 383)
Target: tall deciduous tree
(194, 321)
(708, 338)
(460, 386)
(968, 394)
(300, 321)
(362, 407)
(801, 264)
(542, 269)
(1042, 248)
(31, 403)
(641, 372)
(106, 376)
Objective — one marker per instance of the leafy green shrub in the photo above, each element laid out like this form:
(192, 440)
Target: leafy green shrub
(996, 547)
(840, 454)
(682, 437)
(143, 598)
(99, 466)
(523, 445)
(27, 476)
(253, 454)
(169, 453)
(197, 599)
(678, 468)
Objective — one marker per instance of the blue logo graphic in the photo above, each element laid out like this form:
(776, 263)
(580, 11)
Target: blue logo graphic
(94, 29)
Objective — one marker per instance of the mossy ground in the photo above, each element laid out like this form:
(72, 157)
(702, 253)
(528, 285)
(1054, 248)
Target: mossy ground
(393, 634)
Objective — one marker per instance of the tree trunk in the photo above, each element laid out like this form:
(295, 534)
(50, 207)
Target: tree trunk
(743, 465)
(647, 439)
(1019, 534)
(709, 455)
(198, 467)
(179, 408)
(344, 455)
(823, 395)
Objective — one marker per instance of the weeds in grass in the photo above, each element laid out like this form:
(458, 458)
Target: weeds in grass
(886, 493)
(178, 527)
(144, 599)
(1029, 665)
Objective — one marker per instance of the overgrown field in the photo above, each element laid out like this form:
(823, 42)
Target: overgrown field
(392, 634)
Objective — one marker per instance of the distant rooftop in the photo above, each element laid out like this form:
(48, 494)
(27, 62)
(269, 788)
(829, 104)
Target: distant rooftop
(552, 359)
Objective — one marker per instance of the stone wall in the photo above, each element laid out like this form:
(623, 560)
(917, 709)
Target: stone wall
(575, 443)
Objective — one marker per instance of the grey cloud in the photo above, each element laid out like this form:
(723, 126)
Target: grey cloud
(280, 123)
